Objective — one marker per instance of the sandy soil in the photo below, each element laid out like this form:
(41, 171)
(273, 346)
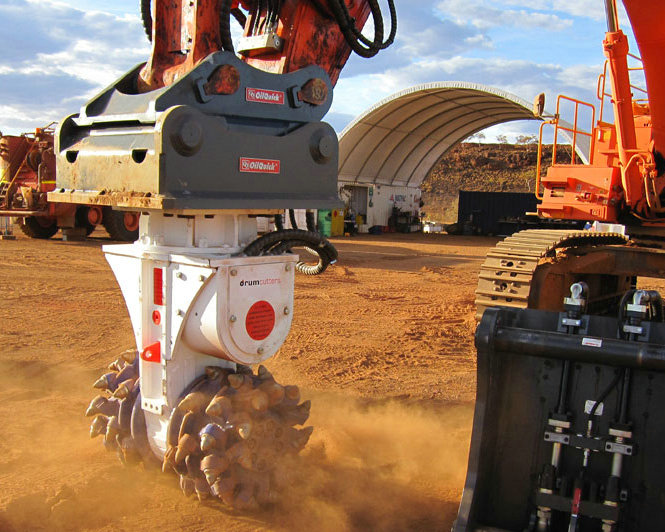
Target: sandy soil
(382, 344)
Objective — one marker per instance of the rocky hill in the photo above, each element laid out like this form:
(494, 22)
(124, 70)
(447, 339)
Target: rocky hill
(474, 166)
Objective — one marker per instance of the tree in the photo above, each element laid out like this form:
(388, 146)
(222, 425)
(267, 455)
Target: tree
(502, 139)
(477, 137)
(526, 139)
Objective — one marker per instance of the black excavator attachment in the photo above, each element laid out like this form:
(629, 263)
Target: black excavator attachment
(569, 426)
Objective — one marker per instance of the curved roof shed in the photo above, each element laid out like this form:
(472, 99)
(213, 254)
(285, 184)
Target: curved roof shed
(400, 139)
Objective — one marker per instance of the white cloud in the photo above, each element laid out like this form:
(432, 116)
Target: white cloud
(56, 56)
(484, 15)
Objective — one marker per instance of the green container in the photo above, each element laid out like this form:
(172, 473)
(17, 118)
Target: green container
(325, 223)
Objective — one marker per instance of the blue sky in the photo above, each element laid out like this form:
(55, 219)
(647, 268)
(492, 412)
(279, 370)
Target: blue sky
(57, 54)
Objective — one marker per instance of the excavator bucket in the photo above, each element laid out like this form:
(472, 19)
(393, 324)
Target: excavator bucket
(569, 427)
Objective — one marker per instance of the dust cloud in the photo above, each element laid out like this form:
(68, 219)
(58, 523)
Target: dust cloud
(379, 466)
(370, 465)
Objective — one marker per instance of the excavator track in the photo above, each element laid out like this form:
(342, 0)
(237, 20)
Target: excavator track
(506, 276)
(232, 436)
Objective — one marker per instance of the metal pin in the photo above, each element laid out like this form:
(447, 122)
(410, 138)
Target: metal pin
(286, 311)
(233, 319)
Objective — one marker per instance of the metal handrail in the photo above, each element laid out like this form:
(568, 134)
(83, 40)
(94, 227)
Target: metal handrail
(601, 93)
(575, 130)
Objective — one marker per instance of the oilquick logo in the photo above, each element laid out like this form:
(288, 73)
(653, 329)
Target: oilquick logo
(260, 282)
(264, 96)
(259, 166)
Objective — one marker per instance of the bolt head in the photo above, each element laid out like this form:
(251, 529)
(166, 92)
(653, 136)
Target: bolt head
(260, 350)
(234, 272)
(286, 311)
(287, 267)
(233, 319)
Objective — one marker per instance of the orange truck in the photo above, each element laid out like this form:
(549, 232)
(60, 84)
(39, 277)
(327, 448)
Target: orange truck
(27, 175)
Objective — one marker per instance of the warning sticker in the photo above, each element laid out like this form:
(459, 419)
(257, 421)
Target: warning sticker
(592, 342)
(260, 320)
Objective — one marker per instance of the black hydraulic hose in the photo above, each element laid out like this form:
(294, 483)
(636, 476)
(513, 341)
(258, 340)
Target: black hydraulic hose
(353, 36)
(225, 26)
(279, 242)
(604, 394)
(146, 18)
(239, 16)
(292, 219)
(625, 392)
(279, 222)
(310, 221)
(563, 388)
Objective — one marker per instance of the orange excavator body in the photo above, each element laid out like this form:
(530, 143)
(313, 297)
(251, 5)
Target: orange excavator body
(624, 178)
(298, 34)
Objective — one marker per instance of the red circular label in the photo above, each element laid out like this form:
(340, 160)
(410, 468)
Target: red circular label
(260, 320)
(156, 317)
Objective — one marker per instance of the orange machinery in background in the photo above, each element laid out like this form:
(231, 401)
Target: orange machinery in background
(624, 180)
(27, 175)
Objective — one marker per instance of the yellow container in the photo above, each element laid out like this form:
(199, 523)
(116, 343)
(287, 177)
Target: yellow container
(337, 226)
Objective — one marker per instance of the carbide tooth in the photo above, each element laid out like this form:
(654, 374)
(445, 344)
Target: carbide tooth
(236, 380)
(187, 485)
(226, 488)
(215, 372)
(98, 426)
(263, 373)
(303, 437)
(112, 430)
(274, 391)
(102, 405)
(117, 365)
(186, 446)
(125, 388)
(129, 355)
(260, 401)
(106, 382)
(193, 402)
(202, 489)
(292, 393)
(213, 466)
(245, 430)
(169, 459)
(213, 436)
(128, 372)
(220, 407)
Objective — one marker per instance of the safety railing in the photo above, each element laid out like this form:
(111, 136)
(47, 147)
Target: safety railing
(573, 130)
(601, 89)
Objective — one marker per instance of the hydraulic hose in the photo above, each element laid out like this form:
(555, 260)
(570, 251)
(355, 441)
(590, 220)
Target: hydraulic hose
(279, 242)
(354, 37)
(292, 219)
(146, 18)
(310, 221)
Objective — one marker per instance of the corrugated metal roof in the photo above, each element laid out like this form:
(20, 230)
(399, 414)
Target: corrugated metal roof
(400, 139)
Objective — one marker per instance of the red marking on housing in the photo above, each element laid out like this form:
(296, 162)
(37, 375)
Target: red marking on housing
(156, 317)
(260, 320)
(152, 353)
(158, 285)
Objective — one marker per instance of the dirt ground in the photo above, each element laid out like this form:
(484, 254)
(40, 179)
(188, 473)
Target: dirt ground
(382, 343)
